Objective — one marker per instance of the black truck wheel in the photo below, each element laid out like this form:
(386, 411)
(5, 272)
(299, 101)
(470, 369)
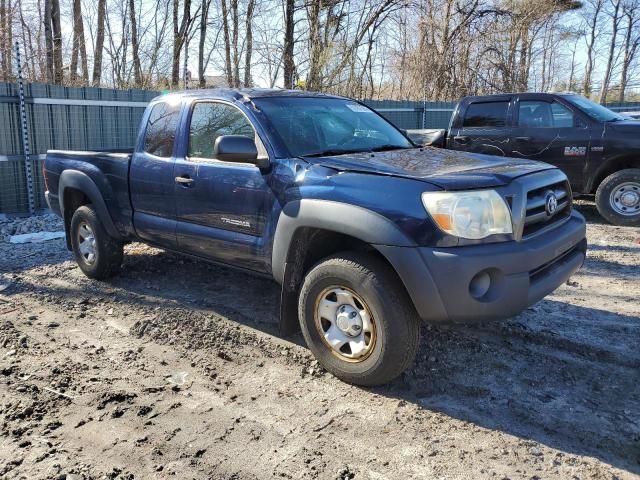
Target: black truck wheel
(98, 255)
(618, 198)
(357, 319)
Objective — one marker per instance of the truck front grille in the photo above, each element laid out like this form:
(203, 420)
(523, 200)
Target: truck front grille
(538, 216)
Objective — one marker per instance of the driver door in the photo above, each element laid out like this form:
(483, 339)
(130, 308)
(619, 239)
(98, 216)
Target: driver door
(222, 207)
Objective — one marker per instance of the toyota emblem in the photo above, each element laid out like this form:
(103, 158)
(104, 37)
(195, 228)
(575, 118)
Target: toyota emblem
(551, 203)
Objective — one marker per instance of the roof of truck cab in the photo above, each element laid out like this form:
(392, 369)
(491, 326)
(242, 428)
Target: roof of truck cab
(248, 93)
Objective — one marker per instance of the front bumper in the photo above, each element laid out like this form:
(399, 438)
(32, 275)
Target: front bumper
(493, 281)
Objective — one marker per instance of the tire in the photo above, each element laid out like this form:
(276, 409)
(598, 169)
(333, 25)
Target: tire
(376, 292)
(619, 186)
(100, 258)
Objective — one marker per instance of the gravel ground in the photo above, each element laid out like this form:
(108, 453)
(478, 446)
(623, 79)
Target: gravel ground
(174, 369)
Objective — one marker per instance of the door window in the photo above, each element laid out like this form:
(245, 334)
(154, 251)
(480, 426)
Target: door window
(486, 114)
(538, 114)
(212, 120)
(160, 133)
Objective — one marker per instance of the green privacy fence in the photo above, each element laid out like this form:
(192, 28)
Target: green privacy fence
(60, 118)
(98, 118)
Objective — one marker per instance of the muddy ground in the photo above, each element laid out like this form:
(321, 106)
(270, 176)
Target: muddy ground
(174, 369)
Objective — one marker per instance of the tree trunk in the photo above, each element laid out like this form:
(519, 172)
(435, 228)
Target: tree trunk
(8, 28)
(175, 58)
(615, 23)
(289, 65)
(523, 74)
(57, 42)
(249, 42)
(75, 49)
(6, 63)
(234, 44)
(591, 44)
(631, 44)
(313, 77)
(227, 43)
(97, 57)
(180, 33)
(48, 40)
(137, 68)
(29, 69)
(203, 35)
(83, 51)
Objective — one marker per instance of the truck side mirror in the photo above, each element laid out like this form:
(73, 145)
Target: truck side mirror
(238, 148)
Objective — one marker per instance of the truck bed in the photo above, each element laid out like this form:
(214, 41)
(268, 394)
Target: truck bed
(108, 169)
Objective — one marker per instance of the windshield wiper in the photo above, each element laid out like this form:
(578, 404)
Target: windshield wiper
(344, 151)
(383, 148)
(333, 151)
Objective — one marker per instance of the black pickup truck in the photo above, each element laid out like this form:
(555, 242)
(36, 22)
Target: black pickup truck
(365, 232)
(598, 149)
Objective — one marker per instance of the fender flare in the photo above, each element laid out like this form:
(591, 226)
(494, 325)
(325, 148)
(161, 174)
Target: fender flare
(81, 181)
(606, 168)
(352, 220)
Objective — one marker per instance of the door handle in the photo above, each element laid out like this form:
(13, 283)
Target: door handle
(185, 181)
(461, 138)
(522, 139)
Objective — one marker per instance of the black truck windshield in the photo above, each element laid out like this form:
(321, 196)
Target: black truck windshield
(316, 126)
(594, 110)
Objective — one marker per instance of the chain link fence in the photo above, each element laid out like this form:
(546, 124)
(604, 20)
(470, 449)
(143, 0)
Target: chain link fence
(68, 118)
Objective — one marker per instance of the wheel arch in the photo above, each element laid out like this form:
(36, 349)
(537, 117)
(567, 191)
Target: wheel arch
(75, 189)
(309, 230)
(611, 166)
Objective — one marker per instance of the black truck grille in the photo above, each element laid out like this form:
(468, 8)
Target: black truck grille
(538, 216)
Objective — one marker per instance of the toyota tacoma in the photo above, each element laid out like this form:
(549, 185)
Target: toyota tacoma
(367, 234)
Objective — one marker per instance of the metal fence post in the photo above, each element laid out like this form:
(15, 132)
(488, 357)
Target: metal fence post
(25, 133)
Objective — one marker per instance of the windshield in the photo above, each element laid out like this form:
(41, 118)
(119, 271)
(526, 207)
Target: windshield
(315, 126)
(594, 110)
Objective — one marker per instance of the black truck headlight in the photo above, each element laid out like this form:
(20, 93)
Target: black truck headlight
(473, 215)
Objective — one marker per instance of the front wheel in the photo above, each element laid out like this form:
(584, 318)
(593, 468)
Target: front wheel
(357, 319)
(618, 198)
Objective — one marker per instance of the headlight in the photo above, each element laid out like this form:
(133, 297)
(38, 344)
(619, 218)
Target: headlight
(473, 215)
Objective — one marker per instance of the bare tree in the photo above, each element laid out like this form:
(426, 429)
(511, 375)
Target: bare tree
(249, 43)
(288, 60)
(180, 32)
(227, 43)
(616, 18)
(79, 49)
(135, 49)
(57, 42)
(99, 46)
(204, 18)
(631, 13)
(591, 19)
(48, 35)
(6, 59)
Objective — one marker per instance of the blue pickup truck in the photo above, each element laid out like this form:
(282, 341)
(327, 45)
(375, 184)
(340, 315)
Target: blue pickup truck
(366, 233)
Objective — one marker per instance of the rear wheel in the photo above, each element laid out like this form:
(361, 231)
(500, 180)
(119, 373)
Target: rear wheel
(98, 255)
(618, 198)
(357, 319)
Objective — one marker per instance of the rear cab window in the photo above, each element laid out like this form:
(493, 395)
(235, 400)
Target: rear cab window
(486, 114)
(160, 131)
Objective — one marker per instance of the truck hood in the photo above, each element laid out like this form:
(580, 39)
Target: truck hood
(625, 126)
(447, 169)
